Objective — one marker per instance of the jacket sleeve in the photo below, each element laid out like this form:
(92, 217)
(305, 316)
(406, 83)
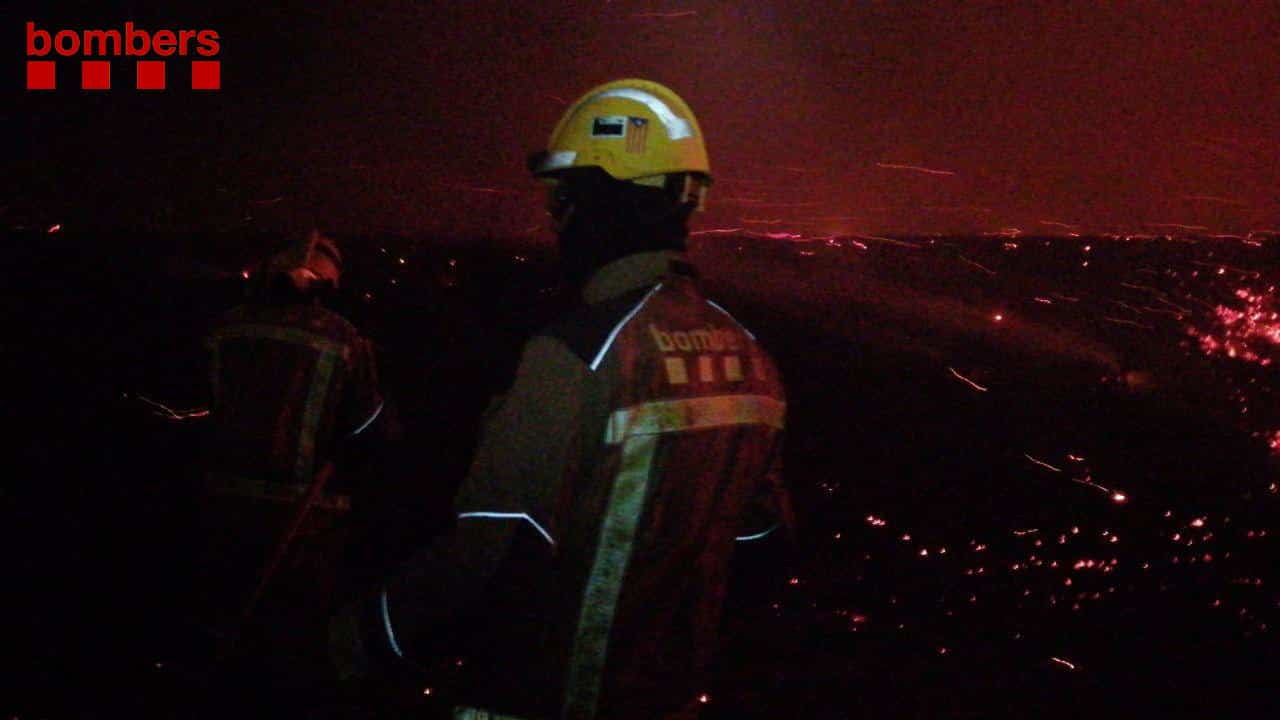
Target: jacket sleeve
(526, 442)
(362, 402)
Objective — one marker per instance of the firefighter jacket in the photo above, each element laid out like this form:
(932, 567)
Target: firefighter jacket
(641, 438)
(289, 381)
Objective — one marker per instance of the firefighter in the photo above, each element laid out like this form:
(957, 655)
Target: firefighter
(295, 395)
(639, 441)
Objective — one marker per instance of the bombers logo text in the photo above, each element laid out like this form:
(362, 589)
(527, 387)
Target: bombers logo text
(94, 46)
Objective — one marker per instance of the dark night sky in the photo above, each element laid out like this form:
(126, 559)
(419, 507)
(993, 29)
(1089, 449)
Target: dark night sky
(821, 117)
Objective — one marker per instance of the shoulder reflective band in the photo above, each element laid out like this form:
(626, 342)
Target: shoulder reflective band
(668, 416)
(608, 343)
(510, 516)
(734, 319)
(290, 335)
(638, 429)
(677, 127)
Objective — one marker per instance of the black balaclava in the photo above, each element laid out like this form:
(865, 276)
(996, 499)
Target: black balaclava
(601, 219)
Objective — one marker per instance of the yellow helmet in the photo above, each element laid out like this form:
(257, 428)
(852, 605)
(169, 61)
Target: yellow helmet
(635, 130)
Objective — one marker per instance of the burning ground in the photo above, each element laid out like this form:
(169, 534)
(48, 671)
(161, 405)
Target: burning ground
(1031, 471)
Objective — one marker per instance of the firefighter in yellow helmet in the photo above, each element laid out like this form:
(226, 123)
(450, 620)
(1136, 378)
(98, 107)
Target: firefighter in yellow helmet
(641, 438)
(295, 396)
(625, 166)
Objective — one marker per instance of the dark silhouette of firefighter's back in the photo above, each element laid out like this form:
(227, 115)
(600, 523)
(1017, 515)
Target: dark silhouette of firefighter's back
(295, 394)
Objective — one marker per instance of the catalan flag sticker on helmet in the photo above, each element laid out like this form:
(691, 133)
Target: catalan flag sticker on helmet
(637, 135)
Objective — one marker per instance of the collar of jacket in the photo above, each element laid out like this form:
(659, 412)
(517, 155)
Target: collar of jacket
(635, 271)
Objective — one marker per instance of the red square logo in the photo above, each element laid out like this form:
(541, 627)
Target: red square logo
(95, 75)
(206, 75)
(42, 75)
(150, 74)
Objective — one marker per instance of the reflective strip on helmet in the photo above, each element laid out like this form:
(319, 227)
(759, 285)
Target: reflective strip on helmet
(595, 363)
(559, 160)
(386, 624)
(604, 585)
(699, 413)
(510, 516)
(677, 127)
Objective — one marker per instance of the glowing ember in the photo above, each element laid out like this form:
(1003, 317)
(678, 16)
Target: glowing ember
(967, 381)
(1250, 333)
(1067, 664)
(169, 413)
(1118, 497)
(1042, 463)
